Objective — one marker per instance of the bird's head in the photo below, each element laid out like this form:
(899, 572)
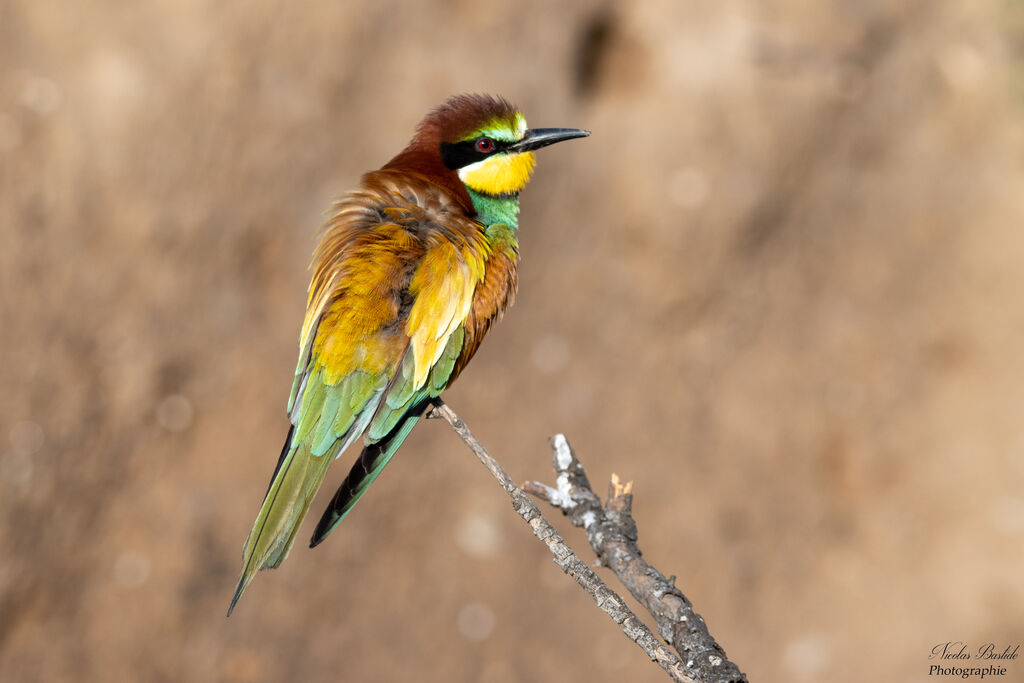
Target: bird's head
(484, 141)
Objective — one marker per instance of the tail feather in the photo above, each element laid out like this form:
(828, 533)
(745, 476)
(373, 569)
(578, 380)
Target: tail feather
(292, 489)
(296, 480)
(365, 470)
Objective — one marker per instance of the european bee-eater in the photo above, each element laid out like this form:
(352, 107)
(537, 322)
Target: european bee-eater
(411, 270)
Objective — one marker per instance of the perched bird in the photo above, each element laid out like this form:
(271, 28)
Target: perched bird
(411, 270)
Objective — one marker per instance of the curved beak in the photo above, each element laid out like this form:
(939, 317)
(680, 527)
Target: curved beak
(535, 138)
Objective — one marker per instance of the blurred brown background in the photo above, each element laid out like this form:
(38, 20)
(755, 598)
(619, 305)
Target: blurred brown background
(779, 288)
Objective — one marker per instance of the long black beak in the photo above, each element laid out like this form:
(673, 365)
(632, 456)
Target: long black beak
(535, 138)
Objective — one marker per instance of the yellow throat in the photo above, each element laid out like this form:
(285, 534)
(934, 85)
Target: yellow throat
(501, 174)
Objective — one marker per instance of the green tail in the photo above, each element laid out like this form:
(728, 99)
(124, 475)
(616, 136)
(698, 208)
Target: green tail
(365, 470)
(298, 476)
(325, 421)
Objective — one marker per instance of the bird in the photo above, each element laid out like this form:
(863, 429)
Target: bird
(411, 270)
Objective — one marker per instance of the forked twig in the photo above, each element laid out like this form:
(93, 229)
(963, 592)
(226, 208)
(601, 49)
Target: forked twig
(607, 599)
(612, 533)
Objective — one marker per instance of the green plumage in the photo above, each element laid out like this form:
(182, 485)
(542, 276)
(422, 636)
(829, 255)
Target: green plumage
(370, 464)
(388, 430)
(328, 418)
(297, 480)
(325, 422)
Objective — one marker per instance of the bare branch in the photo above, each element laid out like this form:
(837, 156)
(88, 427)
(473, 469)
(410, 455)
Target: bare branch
(612, 533)
(607, 599)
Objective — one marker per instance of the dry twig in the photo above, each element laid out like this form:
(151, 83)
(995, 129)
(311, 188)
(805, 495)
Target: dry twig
(607, 599)
(612, 533)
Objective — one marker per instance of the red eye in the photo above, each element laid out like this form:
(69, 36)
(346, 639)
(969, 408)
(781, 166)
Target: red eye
(484, 145)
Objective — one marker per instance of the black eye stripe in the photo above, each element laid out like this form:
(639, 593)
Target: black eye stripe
(458, 154)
